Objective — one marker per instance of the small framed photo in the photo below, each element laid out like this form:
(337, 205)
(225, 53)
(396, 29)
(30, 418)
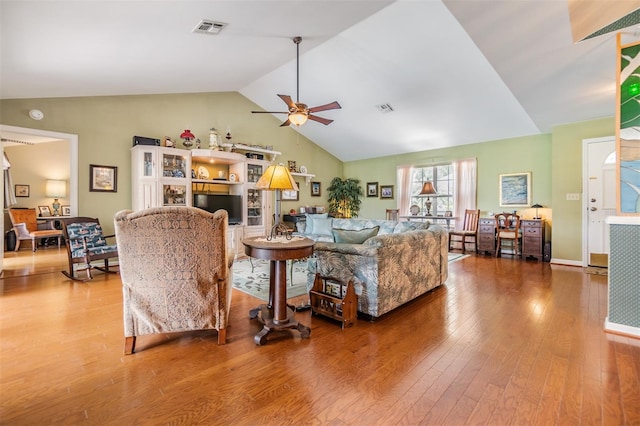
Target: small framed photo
(103, 178)
(292, 166)
(386, 191)
(372, 189)
(515, 190)
(289, 195)
(22, 190)
(44, 211)
(66, 210)
(448, 213)
(315, 189)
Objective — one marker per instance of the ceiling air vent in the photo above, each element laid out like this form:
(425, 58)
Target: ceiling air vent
(384, 108)
(207, 26)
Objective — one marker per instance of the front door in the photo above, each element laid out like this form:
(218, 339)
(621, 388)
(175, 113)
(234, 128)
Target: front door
(600, 197)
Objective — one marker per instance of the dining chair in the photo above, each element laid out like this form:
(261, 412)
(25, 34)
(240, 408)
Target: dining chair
(468, 233)
(508, 231)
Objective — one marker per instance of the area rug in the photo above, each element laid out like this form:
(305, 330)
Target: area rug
(453, 257)
(255, 281)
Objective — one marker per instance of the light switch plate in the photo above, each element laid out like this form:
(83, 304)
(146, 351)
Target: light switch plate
(573, 196)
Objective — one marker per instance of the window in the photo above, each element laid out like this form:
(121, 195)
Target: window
(443, 180)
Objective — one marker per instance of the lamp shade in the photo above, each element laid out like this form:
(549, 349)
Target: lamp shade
(298, 118)
(536, 206)
(428, 189)
(276, 177)
(56, 188)
(187, 135)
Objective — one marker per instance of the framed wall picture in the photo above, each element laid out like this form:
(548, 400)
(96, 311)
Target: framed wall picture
(66, 210)
(289, 195)
(372, 189)
(103, 178)
(292, 166)
(386, 191)
(22, 190)
(515, 189)
(44, 211)
(315, 189)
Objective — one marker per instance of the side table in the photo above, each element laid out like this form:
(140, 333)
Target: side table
(276, 315)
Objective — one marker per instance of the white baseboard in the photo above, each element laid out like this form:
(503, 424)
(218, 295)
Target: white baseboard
(566, 262)
(627, 330)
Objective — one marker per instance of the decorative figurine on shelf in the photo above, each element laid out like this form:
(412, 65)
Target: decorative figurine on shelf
(214, 139)
(187, 138)
(168, 142)
(198, 143)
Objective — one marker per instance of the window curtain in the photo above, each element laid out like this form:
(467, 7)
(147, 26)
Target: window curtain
(9, 195)
(403, 177)
(465, 193)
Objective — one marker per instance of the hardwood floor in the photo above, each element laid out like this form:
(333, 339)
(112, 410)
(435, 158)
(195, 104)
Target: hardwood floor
(503, 342)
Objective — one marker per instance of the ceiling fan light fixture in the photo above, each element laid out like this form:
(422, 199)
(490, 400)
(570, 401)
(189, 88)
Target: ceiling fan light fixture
(298, 118)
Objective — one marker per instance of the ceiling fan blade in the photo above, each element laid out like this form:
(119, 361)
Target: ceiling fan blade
(332, 105)
(270, 112)
(324, 121)
(286, 123)
(287, 100)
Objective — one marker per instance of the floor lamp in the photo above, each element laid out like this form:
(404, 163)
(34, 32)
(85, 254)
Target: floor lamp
(427, 191)
(277, 178)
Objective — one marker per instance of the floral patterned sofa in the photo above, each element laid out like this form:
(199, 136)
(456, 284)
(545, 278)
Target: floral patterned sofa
(399, 262)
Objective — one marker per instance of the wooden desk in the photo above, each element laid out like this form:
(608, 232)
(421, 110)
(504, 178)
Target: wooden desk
(447, 219)
(276, 315)
(532, 237)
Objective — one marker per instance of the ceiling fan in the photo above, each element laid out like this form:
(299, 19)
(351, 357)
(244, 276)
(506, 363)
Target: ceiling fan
(299, 112)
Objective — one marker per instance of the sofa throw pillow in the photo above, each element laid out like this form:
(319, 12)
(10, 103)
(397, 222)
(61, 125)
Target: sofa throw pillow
(322, 226)
(354, 237)
(309, 229)
(410, 226)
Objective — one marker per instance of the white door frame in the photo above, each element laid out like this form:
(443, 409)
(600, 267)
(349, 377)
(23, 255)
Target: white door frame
(585, 201)
(73, 164)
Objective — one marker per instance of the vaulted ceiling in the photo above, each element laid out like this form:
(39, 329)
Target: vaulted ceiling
(450, 72)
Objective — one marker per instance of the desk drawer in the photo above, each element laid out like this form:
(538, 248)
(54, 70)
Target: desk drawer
(532, 231)
(486, 229)
(531, 223)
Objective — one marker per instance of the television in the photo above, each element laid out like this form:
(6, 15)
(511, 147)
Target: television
(231, 203)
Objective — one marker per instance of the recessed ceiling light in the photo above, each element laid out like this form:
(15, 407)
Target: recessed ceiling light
(208, 26)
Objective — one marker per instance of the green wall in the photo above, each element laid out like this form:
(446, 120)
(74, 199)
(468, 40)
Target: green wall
(105, 127)
(526, 154)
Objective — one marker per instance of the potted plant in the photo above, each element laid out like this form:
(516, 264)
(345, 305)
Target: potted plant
(344, 197)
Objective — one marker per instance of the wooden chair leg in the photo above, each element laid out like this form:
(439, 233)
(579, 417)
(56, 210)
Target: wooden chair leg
(464, 243)
(129, 345)
(222, 336)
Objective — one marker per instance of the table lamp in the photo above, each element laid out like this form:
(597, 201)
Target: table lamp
(428, 190)
(56, 189)
(277, 178)
(537, 206)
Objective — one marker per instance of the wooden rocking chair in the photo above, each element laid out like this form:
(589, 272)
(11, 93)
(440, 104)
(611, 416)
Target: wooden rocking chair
(86, 243)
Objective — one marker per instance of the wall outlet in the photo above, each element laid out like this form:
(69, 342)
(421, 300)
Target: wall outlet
(573, 196)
